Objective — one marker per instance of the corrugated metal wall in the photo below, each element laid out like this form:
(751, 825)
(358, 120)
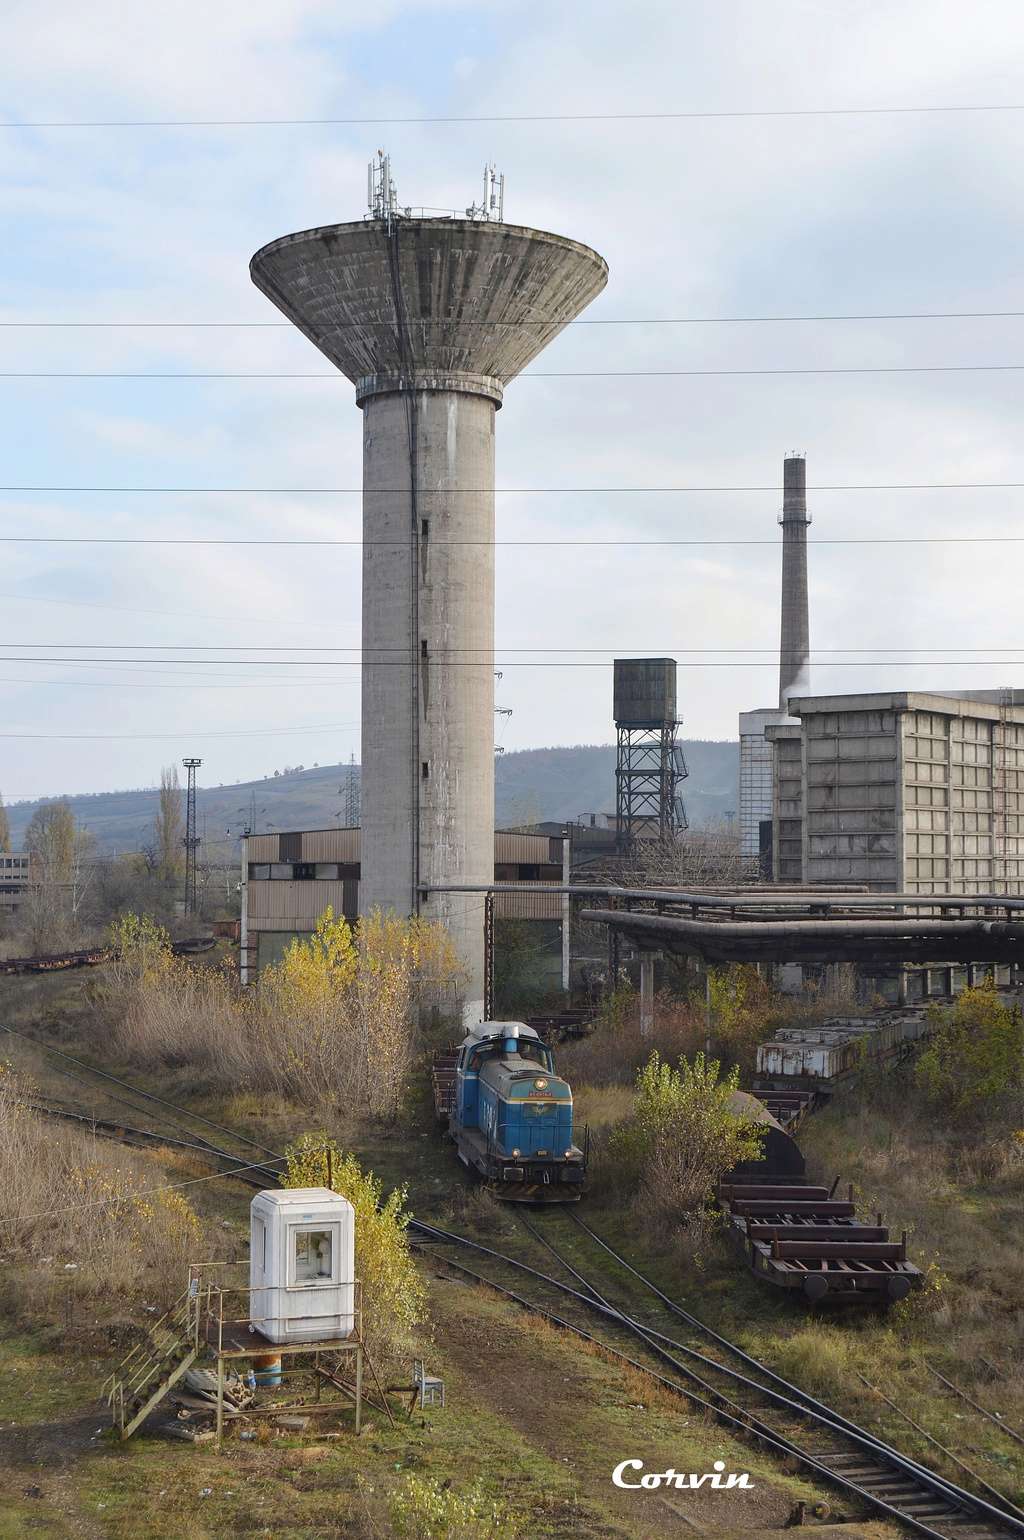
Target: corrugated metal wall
(306, 845)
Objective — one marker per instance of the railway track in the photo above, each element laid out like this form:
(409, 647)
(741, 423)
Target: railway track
(697, 1363)
(743, 1394)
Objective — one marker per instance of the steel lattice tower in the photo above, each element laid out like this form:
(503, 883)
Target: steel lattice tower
(352, 795)
(649, 767)
(191, 840)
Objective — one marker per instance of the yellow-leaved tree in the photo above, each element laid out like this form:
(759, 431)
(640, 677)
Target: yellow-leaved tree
(343, 1006)
(393, 1296)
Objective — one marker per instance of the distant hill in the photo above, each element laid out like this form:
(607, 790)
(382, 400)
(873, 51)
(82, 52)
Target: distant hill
(532, 784)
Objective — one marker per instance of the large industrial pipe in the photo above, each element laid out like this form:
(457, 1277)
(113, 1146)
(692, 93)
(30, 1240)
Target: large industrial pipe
(430, 318)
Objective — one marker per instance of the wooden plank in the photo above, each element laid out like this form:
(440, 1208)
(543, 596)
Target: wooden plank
(835, 1209)
(765, 1230)
(840, 1251)
(158, 1394)
(793, 1190)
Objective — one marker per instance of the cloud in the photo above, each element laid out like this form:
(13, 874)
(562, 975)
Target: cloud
(726, 217)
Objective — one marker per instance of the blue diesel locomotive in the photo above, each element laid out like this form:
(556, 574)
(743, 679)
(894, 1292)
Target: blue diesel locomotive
(511, 1116)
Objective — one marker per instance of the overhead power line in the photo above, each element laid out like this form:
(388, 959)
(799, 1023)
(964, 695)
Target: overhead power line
(184, 733)
(520, 117)
(487, 663)
(184, 540)
(686, 320)
(597, 491)
(498, 648)
(532, 374)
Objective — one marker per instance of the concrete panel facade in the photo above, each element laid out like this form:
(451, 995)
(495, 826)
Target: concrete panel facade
(913, 793)
(786, 743)
(755, 777)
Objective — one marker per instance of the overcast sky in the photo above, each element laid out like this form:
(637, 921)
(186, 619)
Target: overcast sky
(728, 217)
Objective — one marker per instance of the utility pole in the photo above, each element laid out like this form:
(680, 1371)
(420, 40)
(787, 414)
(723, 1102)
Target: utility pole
(191, 840)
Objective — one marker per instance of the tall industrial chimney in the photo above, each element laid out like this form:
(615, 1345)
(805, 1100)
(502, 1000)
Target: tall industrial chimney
(430, 318)
(795, 649)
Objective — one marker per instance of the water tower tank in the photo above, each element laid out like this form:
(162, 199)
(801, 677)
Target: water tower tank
(645, 692)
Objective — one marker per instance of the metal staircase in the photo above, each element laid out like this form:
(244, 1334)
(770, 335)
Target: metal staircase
(147, 1373)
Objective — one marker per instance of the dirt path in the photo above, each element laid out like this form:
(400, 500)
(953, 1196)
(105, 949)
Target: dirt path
(37, 1476)
(577, 1411)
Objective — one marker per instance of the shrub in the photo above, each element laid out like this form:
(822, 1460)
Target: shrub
(393, 1295)
(682, 1136)
(616, 1049)
(818, 1359)
(335, 1022)
(425, 1508)
(976, 1055)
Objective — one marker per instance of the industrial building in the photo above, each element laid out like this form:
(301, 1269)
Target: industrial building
(907, 792)
(794, 667)
(430, 318)
(15, 880)
(288, 880)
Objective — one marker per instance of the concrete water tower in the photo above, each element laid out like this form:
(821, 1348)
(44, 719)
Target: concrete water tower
(430, 318)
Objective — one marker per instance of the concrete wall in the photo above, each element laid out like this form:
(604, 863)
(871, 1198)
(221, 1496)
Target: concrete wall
(851, 798)
(907, 792)
(786, 742)
(756, 777)
(963, 825)
(428, 655)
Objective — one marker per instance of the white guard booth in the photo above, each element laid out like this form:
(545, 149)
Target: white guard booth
(302, 1265)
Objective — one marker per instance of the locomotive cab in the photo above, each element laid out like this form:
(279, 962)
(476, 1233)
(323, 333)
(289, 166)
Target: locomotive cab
(513, 1116)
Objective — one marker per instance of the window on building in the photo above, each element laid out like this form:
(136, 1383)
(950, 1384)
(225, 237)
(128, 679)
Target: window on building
(281, 871)
(326, 871)
(303, 871)
(314, 1254)
(259, 871)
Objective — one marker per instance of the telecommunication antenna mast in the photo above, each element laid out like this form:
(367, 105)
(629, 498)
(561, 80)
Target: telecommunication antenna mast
(381, 193)
(493, 205)
(191, 840)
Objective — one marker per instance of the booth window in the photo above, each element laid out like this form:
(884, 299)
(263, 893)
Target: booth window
(313, 1255)
(259, 1247)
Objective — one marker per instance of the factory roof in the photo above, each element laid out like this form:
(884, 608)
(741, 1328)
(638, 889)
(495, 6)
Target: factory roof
(989, 704)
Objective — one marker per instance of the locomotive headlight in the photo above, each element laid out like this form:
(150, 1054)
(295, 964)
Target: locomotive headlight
(541, 1085)
(568, 1154)
(515, 1154)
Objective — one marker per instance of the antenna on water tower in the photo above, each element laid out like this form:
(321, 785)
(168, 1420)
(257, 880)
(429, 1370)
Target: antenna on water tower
(493, 205)
(381, 193)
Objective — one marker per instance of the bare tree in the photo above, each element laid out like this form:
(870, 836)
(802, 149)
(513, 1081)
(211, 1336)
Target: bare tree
(169, 827)
(5, 827)
(59, 877)
(708, 857)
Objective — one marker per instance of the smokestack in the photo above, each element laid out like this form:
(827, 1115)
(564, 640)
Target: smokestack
(795, 648)
(430, 318)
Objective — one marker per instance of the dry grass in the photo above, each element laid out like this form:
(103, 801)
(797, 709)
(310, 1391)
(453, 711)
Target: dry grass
(821, 1359)
(601, 1106)
(617, 1048)
(960, 1198)
(78, 1215)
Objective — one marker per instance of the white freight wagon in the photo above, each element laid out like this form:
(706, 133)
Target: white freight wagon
(302, 1265)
